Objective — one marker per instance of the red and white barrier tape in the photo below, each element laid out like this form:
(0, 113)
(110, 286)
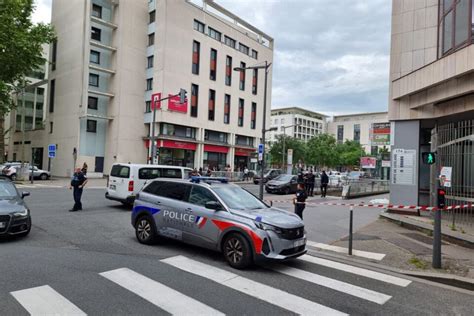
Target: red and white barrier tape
(392, 206)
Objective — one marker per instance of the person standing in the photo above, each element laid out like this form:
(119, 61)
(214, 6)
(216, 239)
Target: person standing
(310, 187)
(300, 200)
(246, 174)
(324, 183)
(78, 182)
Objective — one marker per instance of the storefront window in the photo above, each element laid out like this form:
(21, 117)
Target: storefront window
(215, 160)
(176, 157)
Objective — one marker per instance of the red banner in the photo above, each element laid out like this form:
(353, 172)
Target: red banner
(155, 101)
(216, 149)
(244, 152)
(178, 145)
(174, 105)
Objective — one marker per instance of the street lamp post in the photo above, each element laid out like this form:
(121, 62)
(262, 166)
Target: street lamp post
(264, 130)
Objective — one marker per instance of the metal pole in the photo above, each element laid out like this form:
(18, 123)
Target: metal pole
(283, 151)
(437, 235)
(263, 131)
(153, 143)
(350, 229)
(23, 125)
(32, 165)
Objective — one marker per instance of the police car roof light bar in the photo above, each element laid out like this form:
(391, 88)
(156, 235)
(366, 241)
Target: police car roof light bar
(197, 179)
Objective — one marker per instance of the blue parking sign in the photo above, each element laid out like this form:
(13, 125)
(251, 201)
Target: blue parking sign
(260, 152)
(52, 151)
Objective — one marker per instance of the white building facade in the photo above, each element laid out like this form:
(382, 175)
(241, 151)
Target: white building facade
(297, 123)
(111, 56)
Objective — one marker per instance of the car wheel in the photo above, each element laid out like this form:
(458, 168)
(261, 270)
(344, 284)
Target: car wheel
(44, 176)
(237, 251)
(145, 230)
(13, 177)
(287, 191)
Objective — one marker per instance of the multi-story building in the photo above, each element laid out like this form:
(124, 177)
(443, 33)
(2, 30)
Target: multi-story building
(296, 122)
(431, 99)
(371, 130)
(111, 56)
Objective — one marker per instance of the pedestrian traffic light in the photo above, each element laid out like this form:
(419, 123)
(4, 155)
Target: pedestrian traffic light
(441, 198)
(182, 96)
(428, 158)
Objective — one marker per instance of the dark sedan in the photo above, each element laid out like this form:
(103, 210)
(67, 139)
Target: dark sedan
(15, 219)
(267, 175)
(284, 183)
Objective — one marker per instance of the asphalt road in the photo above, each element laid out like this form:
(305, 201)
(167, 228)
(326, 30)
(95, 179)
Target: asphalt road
(76, 261)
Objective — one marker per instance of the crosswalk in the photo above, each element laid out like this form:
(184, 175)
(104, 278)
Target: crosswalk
(45, 300)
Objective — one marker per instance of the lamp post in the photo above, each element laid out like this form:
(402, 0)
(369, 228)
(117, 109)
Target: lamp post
(284, 143)
(265, 67)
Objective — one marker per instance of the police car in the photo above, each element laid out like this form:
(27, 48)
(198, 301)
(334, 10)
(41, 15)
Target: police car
(211, 213)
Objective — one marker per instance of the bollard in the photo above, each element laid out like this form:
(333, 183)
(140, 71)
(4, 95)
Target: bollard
(350, 229)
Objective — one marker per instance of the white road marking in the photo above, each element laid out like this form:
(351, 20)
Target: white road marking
(258, 290)
(356, 270)
(358, 253)
(44, 300)
(336, 285)
(158, 294)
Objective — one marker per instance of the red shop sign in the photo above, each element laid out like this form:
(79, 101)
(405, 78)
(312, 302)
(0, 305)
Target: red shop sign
(244, 152)
(178, 145)
(216, 149)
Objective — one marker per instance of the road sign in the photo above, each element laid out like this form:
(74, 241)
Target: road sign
(260, 152)
(290, 157)
(403, 166)
(52, 151)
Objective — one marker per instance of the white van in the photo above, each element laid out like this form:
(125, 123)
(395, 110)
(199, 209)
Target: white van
(126, 180)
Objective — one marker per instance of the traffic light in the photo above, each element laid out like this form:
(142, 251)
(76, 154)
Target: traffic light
(428, 158)
(441, 198)
(182, 96)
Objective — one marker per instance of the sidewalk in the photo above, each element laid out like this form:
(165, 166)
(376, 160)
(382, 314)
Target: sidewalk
(61, 183)
(410, 250)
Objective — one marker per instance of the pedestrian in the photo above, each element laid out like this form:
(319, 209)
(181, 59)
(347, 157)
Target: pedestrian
(78, 181)
(246, 173)
(84, 168)
(209, 172)
(200, 171)
(324, 183)
(194, 173)
(311, 178)
(300, 200)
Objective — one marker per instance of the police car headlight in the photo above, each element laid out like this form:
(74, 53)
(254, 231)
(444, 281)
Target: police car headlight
(21, 213)
(263, 226)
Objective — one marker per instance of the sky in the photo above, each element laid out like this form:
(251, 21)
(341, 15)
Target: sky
(330, 56)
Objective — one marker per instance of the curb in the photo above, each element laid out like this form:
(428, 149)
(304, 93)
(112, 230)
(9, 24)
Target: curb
(458, 283)
(453, 237)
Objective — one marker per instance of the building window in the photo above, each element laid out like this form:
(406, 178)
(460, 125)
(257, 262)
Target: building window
(213, 65)
(198, 26)
(91, 126)
(52, 88)
(228, 71)
(454, 25)
(151, 39)
(253, 116)
(240, 120)
(229, 41)
(212, 103)
(194, 100)
(226, 109)
(254, 54)
(196, 53)
(149, 62)
(243, 48)
(97, 11)
(149, 84)
(215, 136)
(254, 81)
(50, 127)
(95, 57)
(147, 106)
(177, 131)
(94, 80)
(357, 132)
(152, 16)
(242, 77)
(340, 134)
(243, 140)
(54, 54)
(92, 103)
(214, 34)
(95, 33)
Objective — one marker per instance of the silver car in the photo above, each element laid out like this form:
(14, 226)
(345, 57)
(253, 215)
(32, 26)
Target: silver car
(211, 213)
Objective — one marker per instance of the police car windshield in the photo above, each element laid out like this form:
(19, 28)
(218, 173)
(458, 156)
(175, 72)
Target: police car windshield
(237, 198)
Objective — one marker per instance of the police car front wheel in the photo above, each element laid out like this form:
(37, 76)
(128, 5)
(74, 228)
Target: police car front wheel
(237, 251)
(145, 230)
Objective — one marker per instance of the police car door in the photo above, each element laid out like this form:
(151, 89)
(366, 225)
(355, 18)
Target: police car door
(174, 216)
(202, 232)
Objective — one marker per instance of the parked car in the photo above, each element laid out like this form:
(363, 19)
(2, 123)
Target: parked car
(267, 175)
(126, 180)
(15, 218)
(212, 213)
(284, 183)
(10, 170)
(355, 175)
(40, 174)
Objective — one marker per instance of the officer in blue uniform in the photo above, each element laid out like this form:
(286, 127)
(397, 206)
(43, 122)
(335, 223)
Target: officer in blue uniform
(78, 182)
(300, 200)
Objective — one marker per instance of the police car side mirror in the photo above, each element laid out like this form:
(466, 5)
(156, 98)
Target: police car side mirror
(213, 205)
(23, 194)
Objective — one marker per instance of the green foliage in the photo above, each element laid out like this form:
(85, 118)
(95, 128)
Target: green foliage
(298, 146)
(322, 151)
(20, 46)
(349, 153)
(419, 263)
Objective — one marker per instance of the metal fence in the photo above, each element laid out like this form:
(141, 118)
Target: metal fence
(364, 187)
(454, 146)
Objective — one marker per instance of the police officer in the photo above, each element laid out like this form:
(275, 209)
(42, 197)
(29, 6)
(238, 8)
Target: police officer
(78, 182)
(300, 200)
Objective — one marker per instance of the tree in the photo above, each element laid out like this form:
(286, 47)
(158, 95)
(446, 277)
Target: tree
(276, 149)
(321, 151)
(349, 153)
(20, 52)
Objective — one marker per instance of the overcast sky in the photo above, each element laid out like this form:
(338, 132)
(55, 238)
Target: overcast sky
(330, 56)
